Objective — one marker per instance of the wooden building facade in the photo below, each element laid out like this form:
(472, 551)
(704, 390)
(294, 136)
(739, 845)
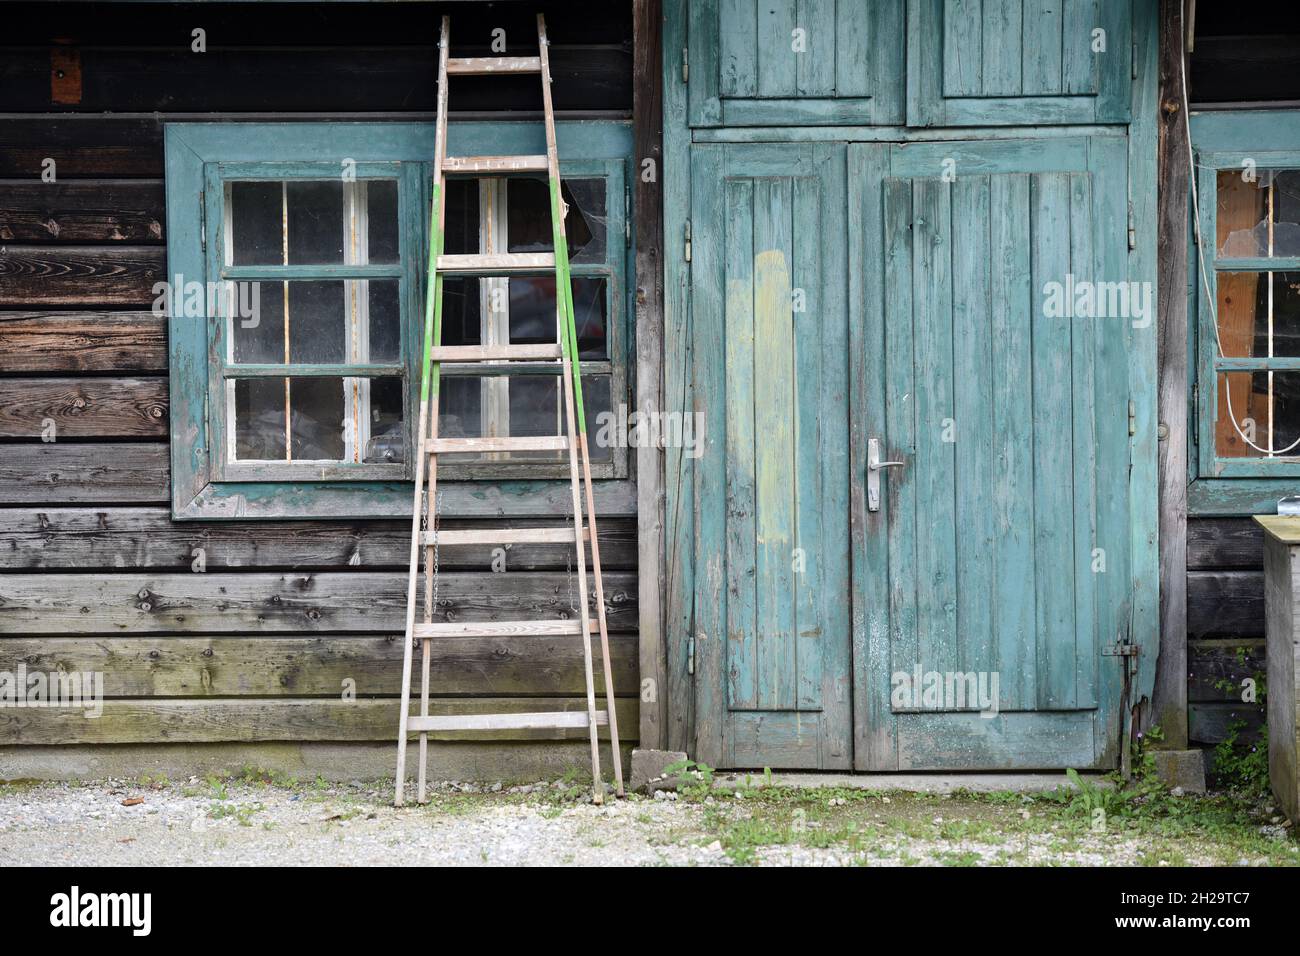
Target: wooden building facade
(810, 235)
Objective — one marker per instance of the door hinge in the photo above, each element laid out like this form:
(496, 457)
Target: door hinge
(1135, 62)
(686, 65)
(627, 214)
(1120, 650)
(203, 221)
(1132, 418)
(1132, 230)
(690, 654)
(688, 241)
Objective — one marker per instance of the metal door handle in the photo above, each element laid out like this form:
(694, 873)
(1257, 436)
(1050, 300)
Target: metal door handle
(874, 467)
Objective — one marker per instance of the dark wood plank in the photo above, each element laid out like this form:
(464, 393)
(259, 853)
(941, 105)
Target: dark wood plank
(1225, 604)
(83, 342)
(35, 276)
(211, 721)
(146, 538)
(216, 602)
(83, 407)
(81, 146)
(1169, 704)
(1249, 68)
(82, 211)
(1224, 543)
(647, 135)
(1216, 668)
(1209, 723)
(63, 473)
(260, 666)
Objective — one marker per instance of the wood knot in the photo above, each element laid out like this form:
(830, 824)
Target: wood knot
(144, 593)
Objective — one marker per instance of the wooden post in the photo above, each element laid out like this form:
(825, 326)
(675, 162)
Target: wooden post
(647, 112)
(1281, 590)
(1169, 710)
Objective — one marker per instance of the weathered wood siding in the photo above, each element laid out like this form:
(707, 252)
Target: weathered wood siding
(221, 632)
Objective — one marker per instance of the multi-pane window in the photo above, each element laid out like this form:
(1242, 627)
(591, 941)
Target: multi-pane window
(1254, 327)
(296, 266)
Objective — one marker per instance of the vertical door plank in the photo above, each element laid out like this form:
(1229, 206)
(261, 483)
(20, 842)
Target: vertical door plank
(774, 454)
(1001, 48)
(740, 557)
(934, 465)
(1041, 45)
(815, 66)
(1086, 334)
(854, 56)
(1052, 431)
(1080, 66)
(1012, 309)
(739, 56)
(813, 415)
(899, 486)
(973, 412)
(709, 379)
(776, 58)
(962, 48)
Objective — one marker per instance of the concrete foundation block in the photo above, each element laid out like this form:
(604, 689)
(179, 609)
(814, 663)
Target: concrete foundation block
(650, 764)
(1181, 768)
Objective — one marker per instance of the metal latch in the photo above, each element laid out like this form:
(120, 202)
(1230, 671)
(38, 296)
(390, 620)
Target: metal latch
(1120, 650)
(690, 654)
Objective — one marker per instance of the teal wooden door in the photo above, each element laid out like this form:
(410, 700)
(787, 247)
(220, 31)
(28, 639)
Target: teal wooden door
(770, 379)
(1004, 63)
(1001, 545)
(795, 62)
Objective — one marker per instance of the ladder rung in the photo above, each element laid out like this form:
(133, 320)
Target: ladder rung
(446, 446)
(504, 536)
(566, 628)
(556, 720)
(496, 353)
(495, 164)
(498, 263)
(491, 65)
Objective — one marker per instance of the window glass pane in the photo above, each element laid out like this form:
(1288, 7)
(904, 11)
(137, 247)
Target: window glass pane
(386, 443)
(1258, 218)
(532, 313)
(316, 418)
(528, 217)
(317, 324)
(257, 323)
(461, 308)
(461, 236)
(385, 320)
(1266, 406)
(315, 219)
(596, 401)
(259, 418)
(1251, 306)
(381, 220)
(256, 211)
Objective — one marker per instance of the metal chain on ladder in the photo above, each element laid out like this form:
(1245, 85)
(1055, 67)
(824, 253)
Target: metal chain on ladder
(437, 510)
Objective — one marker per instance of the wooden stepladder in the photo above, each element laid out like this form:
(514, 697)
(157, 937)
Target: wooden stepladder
(564, 353)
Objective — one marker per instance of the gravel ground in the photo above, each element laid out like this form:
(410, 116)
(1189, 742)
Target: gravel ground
(549, 823)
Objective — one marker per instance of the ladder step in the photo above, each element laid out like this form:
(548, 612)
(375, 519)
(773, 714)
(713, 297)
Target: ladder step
(504, 536)
(498, 263)
(495, 164)
(445, 446)
(557, 720)
(496, 353)
(566, 628)
(491, 65)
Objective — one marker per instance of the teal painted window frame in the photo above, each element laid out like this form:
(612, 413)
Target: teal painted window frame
(200, 155)
(1222, 140)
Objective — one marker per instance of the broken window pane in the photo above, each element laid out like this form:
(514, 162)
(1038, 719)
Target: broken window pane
(532, 313)
(1259, 313)
(1259, 217)
(528, 219)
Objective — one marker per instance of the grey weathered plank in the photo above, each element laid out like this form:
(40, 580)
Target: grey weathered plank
(204, 721)
(83, 342)
(1225, 604)
(120, 538)
(82, 211)
(331, 601)
(83, 407)
(1224, 543)
(1210, 723)
(317, 666)
(62, 473)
